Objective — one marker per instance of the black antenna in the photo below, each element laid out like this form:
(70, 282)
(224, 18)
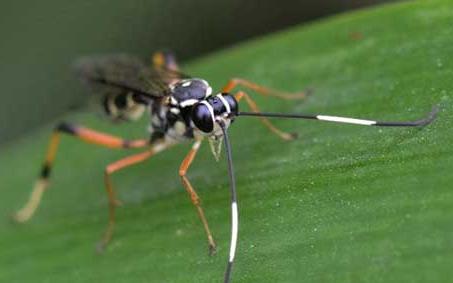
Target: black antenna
(422, 122)
(234, 207)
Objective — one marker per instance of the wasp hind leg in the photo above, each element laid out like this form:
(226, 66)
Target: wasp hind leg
(165, 59)
(85, 134)
(28, 210)
(193, 194)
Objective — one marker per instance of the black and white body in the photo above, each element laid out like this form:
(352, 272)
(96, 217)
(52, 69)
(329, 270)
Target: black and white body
(180, 109)
(190, 111)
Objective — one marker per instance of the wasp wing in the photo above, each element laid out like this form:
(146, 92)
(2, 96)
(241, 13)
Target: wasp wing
(125, 84)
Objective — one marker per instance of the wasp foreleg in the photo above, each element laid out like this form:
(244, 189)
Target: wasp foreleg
(113, 202)
(193, 194)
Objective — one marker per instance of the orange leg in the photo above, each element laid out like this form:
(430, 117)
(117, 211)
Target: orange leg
(193, 194)
(165, 59)
(262, 90)
(113, 202)
(82, 133)
(285, 136)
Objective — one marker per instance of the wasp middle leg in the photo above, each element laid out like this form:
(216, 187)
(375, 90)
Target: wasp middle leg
(113, 202)
(251, 103)
(165, 59)
(263, 90)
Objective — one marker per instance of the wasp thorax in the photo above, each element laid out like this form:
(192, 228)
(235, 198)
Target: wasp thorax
(188, 92)
(207, 113)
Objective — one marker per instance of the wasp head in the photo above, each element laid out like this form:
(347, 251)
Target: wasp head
(208, 115)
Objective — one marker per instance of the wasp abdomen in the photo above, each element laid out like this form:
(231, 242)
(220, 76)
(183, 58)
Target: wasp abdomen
(123, 106)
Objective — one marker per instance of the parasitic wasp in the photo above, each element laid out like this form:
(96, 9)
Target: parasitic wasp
(181, 108)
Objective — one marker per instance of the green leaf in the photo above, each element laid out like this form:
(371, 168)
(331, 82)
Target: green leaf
(340, 204)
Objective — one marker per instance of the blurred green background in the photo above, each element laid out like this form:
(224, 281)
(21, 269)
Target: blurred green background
(40, 40)
(340, 204)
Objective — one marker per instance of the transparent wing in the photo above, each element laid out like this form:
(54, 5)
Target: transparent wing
(125, 73)
(124, 84)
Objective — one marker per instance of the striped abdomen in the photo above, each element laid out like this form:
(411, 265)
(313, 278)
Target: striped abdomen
(123, 106)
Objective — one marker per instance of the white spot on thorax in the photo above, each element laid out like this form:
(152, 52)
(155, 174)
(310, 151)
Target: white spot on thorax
(186, 84)
(188, 102)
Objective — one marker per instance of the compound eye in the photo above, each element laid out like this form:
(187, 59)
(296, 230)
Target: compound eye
(202, 118)
(232, 102)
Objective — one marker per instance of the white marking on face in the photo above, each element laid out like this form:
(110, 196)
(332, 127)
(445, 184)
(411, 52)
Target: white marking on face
(345, 120)
(186, 84)
(234, 229)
